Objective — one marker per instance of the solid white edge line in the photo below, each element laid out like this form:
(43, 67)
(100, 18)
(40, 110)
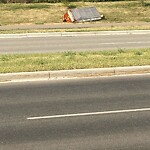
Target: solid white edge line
(89, 114)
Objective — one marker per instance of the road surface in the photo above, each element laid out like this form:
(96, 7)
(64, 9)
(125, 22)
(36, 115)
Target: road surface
(74, 43)
(107, 113)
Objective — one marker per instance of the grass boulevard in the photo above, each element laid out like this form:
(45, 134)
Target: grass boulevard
(52, 13)
(41, 13)
(68, 60)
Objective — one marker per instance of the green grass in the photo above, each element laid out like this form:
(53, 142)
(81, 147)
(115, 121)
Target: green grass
(73, 60)
(14, 7)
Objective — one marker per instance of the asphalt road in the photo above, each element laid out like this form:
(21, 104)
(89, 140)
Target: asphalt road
(117, 126)
(74, 43)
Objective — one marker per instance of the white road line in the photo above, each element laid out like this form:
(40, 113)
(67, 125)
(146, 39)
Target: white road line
(89, 114)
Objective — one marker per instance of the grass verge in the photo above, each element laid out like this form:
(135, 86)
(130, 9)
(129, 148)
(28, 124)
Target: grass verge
(73, 60)
(41, 13)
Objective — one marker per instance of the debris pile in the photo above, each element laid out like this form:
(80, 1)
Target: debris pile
(86, 14)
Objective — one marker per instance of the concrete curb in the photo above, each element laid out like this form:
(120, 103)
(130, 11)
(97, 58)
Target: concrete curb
(78, 73)
(60, 34)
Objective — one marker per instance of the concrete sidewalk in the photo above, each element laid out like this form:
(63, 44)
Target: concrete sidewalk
(72, 25)
(78, 73)
(74, 34)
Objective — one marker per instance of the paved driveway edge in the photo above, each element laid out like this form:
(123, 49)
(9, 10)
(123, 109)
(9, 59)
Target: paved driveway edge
(78, 73)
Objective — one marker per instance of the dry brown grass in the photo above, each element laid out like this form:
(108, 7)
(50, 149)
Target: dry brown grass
(26, 13)
(41, 13)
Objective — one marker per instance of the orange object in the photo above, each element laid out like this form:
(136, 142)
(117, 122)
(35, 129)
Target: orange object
(66, 18)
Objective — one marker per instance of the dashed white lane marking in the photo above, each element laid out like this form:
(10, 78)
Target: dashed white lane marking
(89, 114)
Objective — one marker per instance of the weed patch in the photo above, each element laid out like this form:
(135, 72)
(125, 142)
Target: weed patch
(73, 60)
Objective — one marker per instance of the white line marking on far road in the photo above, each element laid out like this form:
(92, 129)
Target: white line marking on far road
(89, 114)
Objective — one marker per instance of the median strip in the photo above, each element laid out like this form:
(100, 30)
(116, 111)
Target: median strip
(89, 114)
(12, 63)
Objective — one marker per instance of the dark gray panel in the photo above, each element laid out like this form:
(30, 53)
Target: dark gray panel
(86, 14)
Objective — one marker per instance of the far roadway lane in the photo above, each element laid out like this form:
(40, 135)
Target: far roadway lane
(74, 43)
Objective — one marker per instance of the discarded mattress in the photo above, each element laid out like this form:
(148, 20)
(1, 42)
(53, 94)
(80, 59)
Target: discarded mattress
(82, 15)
